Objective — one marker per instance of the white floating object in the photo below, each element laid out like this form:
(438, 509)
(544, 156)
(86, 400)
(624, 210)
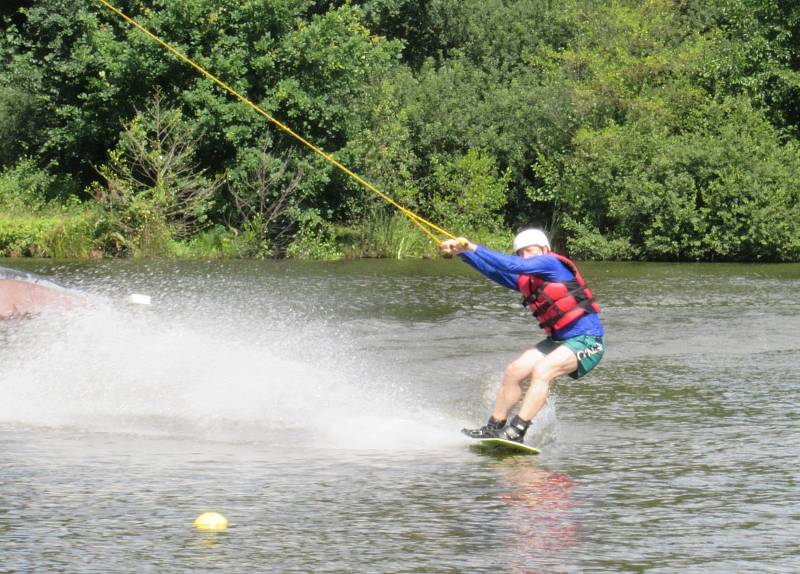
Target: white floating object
(138, 299)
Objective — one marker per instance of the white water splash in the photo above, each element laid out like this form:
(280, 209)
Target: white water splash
(112, 368)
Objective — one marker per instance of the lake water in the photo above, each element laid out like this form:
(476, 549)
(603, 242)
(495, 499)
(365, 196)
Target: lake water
(318, 407)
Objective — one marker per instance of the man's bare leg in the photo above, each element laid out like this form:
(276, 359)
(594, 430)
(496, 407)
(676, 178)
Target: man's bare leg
(560, 361)
(511, 390)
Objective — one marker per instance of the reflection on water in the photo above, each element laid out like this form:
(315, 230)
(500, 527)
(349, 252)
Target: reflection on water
(541, 505)
(317, 406)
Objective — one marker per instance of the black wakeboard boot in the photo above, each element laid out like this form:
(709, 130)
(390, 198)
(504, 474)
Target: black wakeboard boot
(490, 430)
(515, 430)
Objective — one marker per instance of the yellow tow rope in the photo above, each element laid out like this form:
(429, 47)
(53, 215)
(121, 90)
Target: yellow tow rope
(423, 224)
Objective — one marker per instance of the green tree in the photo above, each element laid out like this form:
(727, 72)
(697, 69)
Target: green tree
(753, 50)
(154, 189)
(726, 189)
(471, 194)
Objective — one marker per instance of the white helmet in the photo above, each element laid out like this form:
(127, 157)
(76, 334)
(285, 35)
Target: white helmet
(530, 237)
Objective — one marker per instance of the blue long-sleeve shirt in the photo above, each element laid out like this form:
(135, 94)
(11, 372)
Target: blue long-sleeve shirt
(506, 269)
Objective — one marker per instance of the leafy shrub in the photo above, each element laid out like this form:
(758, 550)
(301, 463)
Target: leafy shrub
(585, 242)
(316, 239)
(17, 123)
(267, 197)
(24, 187)
(726, 188)
(470, 193)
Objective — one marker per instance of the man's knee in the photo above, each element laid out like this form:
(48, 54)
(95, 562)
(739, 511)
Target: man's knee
(525, 363)
(521, 368)
(542, 373)
(512, 373)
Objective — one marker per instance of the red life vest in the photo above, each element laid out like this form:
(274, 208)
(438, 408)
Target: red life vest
(557, 304)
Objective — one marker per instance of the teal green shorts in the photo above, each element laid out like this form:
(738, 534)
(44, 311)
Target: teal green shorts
(587, 348)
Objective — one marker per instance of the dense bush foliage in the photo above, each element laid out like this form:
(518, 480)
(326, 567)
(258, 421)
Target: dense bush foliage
(636, 130)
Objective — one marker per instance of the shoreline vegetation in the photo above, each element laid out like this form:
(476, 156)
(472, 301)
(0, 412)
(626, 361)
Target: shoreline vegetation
(658, 130)
(75, 236)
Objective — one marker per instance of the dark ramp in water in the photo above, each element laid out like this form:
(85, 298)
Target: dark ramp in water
(23, 294)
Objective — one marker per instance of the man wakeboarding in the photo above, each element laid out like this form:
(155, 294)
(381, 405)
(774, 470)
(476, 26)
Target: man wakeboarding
(557, 295)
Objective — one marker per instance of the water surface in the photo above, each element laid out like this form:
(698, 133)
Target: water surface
(317, 406)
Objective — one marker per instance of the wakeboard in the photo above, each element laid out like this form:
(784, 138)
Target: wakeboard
(503, 446)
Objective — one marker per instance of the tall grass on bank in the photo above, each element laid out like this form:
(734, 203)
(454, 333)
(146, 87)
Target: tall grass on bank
(58, 236)
(392, 236)
(36, 222)
(384, 235)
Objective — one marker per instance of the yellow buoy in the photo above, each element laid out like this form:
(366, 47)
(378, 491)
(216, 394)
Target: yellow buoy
(211, 521)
